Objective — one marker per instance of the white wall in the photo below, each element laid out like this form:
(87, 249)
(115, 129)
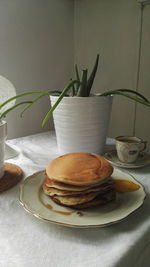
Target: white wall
(39, 41)
(111, 28)
(142, 126)
(36, 53)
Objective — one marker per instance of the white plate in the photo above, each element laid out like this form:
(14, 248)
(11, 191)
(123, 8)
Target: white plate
(143, 160)
(10, 152)
(37, 203)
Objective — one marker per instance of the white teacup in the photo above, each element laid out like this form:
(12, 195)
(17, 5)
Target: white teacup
(129, 147)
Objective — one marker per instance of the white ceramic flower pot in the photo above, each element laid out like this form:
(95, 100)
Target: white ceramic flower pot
(3, 135)
(81, 123)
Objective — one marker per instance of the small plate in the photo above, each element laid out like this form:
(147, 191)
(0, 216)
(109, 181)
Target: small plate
(41, 206)
(10, 152)
(143, 160)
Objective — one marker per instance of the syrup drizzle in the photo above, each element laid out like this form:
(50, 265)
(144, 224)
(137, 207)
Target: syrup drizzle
(58, 211)
(50, 207)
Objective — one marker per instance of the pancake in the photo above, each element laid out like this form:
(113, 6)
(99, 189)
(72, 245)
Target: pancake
(79, 169)
(99, 200)
(67, 187)
(79, 180)
(75, 200)
(58, 192)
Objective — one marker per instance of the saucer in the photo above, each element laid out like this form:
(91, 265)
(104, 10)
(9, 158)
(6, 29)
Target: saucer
(10, 152)
(143, 160)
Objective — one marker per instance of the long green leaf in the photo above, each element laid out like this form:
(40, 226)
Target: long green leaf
(3, 114)
(73, 90)
(66, 89)
(37, 98)
(83, 87)
(77, 73)
(92, 76)
(134, 92)
(78, 79)
(18, 96)
(119, 92)
(129, 91)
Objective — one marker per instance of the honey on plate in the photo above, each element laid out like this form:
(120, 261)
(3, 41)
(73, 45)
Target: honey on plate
(123, 186)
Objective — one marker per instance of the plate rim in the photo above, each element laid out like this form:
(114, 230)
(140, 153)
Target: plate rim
(21, 187)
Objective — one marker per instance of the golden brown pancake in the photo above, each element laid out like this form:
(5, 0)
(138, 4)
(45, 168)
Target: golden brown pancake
(99, 200)
(75, 200)
(59, 192)
(79, 169)
(68, 187)
(79, 180)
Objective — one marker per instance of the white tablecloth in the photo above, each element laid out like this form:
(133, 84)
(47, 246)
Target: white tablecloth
(26, 241)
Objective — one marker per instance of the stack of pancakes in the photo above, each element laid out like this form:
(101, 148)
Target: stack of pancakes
(79, 180)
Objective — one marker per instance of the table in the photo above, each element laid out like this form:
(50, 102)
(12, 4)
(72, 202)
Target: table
(26, 241)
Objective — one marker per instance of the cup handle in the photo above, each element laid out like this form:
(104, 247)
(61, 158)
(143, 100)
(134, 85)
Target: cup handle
(144, 143)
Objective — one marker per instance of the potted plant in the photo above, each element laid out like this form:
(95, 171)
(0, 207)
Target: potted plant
(81, 118)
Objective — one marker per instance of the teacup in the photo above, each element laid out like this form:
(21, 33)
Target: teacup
(129, 147)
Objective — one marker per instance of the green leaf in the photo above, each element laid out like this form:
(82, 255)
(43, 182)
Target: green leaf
(78, 79)
(134, 92)
(83, 87)
(18, 96)
(39, 97)
(66, 89)
(127, 90)
(3, 114)
(92, 76)
(73, 90)
(77, 73)
(138, 98)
